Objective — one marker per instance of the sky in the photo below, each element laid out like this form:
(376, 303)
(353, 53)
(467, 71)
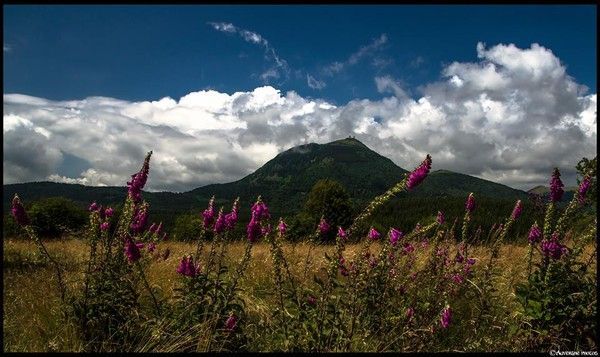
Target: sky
(504, 93)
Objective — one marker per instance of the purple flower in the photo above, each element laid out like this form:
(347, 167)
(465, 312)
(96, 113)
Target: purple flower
(220, 223)
(140, 219)
(408, 248)
(187, 267)
(94, 207)
(395, 236)
(260, 210)
(419, 174)
(440, 218)
(446, 317)
(138, 180)
(410, 312)
(18, 212)
(108, 212)
(231, 323)
(232, 217)
(158, 229)
(341, 233)
(208, 215)
(584, 186)
(164, 237)
(104, 226)
(151, 247)
(323, 226)
(372, 262)
(253, 229)
(373, 234)
(470, 261)
(556, 186)
(457, 278)
(152, 228)
(311, 300)
(132, 250)
(470, 204)
(281, 227)
(459, 258)
(535, 233)
(265, 230)
(553, 248)
(517, 210)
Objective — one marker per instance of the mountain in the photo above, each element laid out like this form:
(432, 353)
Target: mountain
(284, 182)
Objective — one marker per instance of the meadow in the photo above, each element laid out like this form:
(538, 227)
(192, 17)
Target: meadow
(125, 288)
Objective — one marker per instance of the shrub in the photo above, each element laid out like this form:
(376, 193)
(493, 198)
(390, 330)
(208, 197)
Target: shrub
(54, 216)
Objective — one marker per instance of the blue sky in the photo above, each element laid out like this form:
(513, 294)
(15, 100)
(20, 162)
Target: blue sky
(505, 93)
(148, 52)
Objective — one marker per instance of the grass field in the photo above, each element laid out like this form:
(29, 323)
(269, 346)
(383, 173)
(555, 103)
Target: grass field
(32, 317)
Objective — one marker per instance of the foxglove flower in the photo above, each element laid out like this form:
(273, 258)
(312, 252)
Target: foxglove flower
(260, 210)
(220, 223)
(158, 228)
(265, 230)
(517, 210)
(323, 226)
(281, 227)
(446, 317)
(419, 174)
(152, 228)
(232, 217)
(410, 312)
(253, 229)
(408, 248)
(140, 219)
(440, 218)
(535, 233)
(341, 233)
(470, 204)
(132, 250)
(108, 212)
(187, 267)
(93, 207)
(395, 236)
(138, 180)
(556, 186)
(18, 212)
(584, 186)
(457, 278)
(104, 226)
(552, 248)
(231, 323)
(208, 215)
(373, 234)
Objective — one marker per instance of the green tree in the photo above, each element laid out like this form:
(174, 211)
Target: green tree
(187, 227)
(57, 215)
(328, 199)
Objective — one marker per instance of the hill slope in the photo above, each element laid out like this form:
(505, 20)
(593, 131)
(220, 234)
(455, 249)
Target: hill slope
(284, 183)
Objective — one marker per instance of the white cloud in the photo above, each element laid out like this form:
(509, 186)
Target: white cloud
(314, 83)
(511, 118)
(279, 64)
(357, 56)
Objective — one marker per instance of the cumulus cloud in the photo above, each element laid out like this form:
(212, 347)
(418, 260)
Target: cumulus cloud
(280, 66)
(510, 117)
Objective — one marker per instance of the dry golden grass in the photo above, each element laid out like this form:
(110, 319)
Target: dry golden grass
(31, 315)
